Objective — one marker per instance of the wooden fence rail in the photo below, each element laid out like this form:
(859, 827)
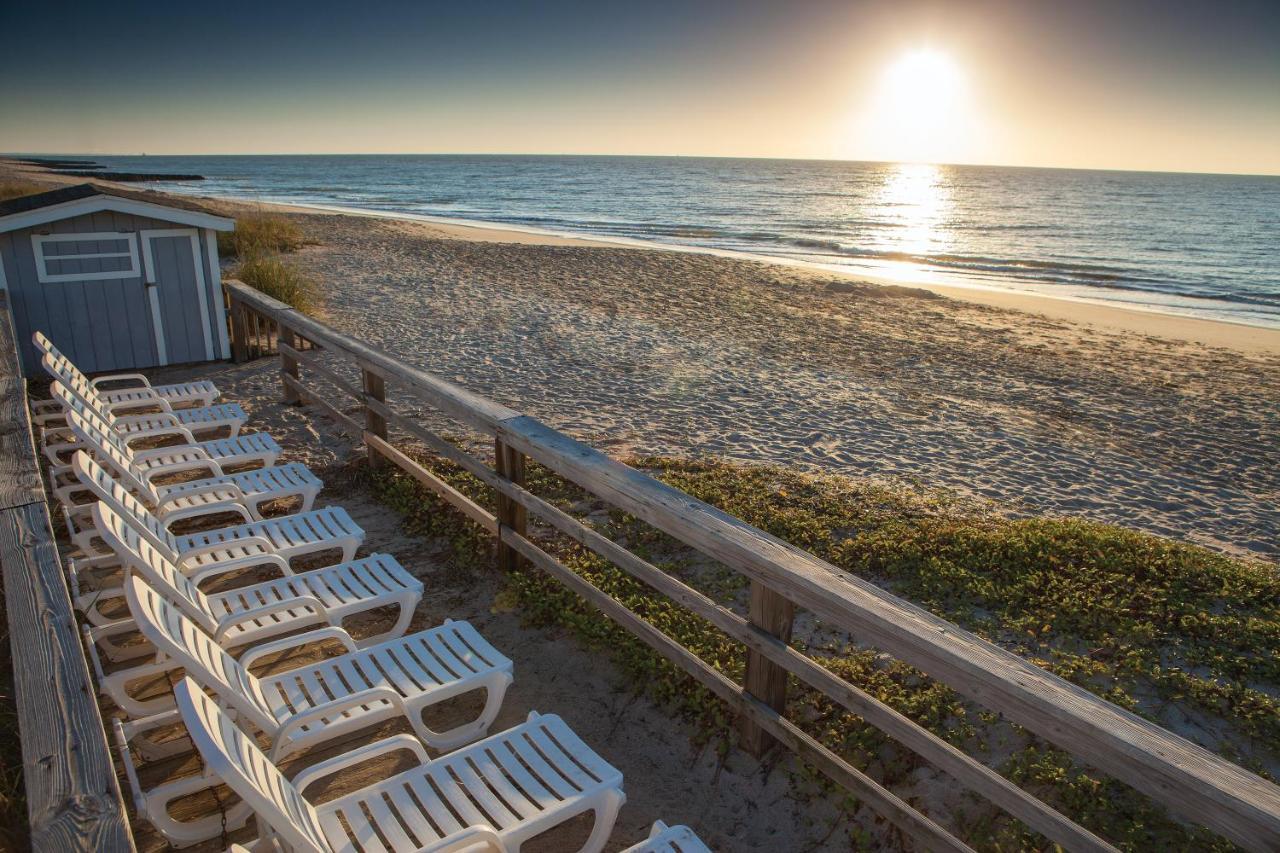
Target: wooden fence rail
(1193, 783)
(73, 798)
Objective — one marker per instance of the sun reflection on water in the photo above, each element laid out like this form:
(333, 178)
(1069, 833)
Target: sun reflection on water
(917, 198)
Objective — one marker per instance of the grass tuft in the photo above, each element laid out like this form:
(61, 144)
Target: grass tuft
(261, 233)
(17, 189)
(281, 280)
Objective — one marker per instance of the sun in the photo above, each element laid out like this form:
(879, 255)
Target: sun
(920, 110)
(924, 82)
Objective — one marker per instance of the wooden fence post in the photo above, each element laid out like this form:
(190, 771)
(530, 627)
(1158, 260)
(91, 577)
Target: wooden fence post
(239, 333)
(288, 364)
(375, 388)
(510, 466)
(765, 680)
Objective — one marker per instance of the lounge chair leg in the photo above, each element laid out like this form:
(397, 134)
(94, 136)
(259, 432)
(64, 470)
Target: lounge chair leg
(495, 692)
(606, 816)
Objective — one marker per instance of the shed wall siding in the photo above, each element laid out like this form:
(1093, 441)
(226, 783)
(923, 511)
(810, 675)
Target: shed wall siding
(106, 324)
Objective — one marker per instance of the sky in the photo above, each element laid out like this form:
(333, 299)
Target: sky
(1162, 86)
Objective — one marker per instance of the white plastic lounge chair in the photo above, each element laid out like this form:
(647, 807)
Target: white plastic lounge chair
(241, 449)
(327, 699)
(171, 501)
(669, 839)
(211, 552)
(250, 614)
(492, 795)
(180, 422)
(140, 393)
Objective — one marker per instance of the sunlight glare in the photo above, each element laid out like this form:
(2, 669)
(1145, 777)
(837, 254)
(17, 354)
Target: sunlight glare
(920, 111)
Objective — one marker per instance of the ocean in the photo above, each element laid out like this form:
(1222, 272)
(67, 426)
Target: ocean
(1197, 245)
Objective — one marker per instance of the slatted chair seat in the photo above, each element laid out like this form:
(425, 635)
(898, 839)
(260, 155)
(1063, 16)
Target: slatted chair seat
(172, 501)
(495, 794)
(140, 394)
(207, 553)
(241, 449)
(330, 698)
(669, 839)
(250, 614)
(182, 422)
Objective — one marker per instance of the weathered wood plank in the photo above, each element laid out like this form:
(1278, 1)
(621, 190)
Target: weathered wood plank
(288, 364)
(349, 424)
(73, 799)
(764, 679)
(512, 514)
(468, 507)
(19, 476)
(375, 390)
(1193, 782)
(313, 364)
(885, 802)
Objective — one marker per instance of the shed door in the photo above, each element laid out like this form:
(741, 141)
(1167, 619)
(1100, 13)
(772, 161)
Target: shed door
(177, 295)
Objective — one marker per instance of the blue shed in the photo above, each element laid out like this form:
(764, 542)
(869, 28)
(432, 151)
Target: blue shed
(118, 280)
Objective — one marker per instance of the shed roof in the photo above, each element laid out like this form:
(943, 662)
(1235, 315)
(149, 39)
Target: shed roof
(79, 199)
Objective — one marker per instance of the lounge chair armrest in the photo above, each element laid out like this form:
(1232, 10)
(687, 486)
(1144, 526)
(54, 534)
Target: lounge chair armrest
(167, 418)
(163, 432)
(206, 464)
(356, 756)
(230, 504)
(143, 455)
(331, 632)
(473, 839)
(121, 377)
(332, 708)
(225, 626)
(165, 494)
(249, 541)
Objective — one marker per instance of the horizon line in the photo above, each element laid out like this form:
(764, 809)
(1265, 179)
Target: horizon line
(814, 159)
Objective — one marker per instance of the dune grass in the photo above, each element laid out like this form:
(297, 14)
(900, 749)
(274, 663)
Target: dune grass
(1178, 634)
(257, 234)
(17, 189)
(281, 280)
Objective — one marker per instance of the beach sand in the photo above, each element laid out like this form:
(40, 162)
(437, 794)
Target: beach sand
(1163, 424)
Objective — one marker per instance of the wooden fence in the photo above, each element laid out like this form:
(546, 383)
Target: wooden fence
(1193, 783)
(73, 798)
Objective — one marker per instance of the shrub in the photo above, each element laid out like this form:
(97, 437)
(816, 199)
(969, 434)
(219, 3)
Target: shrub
(281, 280)
(15, 189)
(259, 233)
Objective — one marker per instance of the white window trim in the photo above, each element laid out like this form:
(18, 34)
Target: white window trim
(45, 277)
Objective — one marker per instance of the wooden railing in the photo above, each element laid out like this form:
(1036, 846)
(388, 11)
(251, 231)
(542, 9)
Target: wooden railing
(73, 799)
(1193, 783)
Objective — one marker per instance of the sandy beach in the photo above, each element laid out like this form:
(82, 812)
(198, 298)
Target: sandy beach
(1159, 423)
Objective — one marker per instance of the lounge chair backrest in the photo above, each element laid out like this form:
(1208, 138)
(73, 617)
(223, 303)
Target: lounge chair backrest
(94, 478)
(104, 442)
(195, 651)
(231, 755)
(138, 556)
(58, 364)
(78, 384)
